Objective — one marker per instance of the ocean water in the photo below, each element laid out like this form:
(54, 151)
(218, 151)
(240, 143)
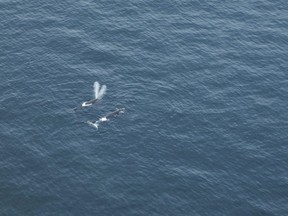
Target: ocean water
(205, 87)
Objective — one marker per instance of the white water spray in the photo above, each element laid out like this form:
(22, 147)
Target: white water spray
(99, 90)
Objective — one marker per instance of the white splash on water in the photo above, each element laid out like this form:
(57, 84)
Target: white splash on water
(99, 90)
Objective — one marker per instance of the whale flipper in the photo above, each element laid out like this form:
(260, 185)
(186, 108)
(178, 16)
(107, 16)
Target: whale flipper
(93, 124)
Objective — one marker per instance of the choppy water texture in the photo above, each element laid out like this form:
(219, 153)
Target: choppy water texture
(205, 87)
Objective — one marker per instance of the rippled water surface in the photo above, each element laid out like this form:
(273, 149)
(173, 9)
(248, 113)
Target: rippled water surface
(205, 87)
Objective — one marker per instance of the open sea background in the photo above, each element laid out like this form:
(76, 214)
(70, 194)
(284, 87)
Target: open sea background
(205, 87)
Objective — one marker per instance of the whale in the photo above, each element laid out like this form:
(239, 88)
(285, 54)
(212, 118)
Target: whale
(107, 117)
(99, 92)
(113, 114)
(90, 102)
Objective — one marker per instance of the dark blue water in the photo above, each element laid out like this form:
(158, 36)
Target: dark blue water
(205, 87)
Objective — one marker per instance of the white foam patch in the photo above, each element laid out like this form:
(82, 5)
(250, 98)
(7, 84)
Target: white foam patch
(103, 119)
